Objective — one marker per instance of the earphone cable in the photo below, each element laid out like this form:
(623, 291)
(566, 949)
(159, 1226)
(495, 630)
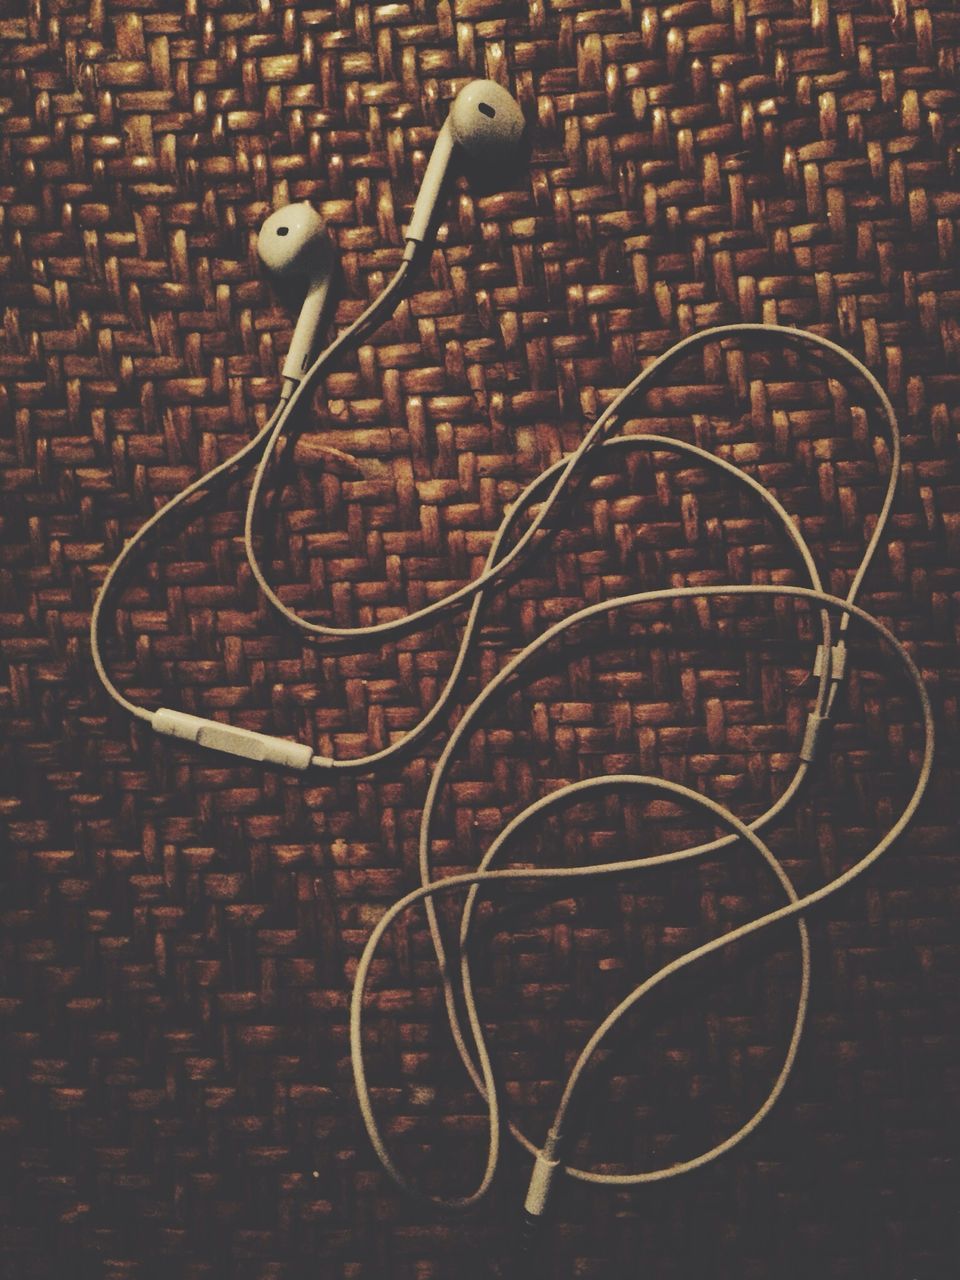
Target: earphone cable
(557, 478)
(263, 443)
(601, 426)
(547, 1158)
(203, 484)
(260, 451)
(512, 516)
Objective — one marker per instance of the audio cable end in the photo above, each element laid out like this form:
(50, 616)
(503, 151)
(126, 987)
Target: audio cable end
(529, 1258)
(541, 1180)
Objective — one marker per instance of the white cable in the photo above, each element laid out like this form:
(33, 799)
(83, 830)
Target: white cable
(547, 1160)
(174, 722)
(494, 561)
(830, 668)
(485, 1080)
(557, 478)
(601, 426)
(262, 448)
(201, 485)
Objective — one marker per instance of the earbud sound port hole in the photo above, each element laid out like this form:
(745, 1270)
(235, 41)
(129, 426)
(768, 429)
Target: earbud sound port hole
(486, 109)
(282, 231)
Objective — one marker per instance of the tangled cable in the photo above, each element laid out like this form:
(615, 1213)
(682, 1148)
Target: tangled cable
(545, 493)
(548, 1157)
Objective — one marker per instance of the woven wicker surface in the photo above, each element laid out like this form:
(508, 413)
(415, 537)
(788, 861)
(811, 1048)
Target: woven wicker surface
(179, 932)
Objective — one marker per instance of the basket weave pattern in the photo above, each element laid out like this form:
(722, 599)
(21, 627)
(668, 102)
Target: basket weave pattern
(178, 931)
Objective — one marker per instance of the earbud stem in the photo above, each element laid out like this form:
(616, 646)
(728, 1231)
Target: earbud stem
(308, 326)
(431, 186)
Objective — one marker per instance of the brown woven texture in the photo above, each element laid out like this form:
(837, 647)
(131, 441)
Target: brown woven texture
(178, 931)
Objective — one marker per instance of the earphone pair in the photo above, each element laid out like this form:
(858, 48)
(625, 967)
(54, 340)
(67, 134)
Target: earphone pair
(485, 120)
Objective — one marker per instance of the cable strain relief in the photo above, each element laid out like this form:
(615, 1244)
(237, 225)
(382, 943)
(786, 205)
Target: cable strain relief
(817, 727)
(541, 1179)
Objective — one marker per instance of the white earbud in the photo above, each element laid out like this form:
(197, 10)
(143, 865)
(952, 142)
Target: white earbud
(488, 123)
(294, 241)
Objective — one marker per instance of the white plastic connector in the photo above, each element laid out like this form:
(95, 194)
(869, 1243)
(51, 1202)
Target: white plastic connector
(226, 737)
(837, 660)
(541, 1180)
